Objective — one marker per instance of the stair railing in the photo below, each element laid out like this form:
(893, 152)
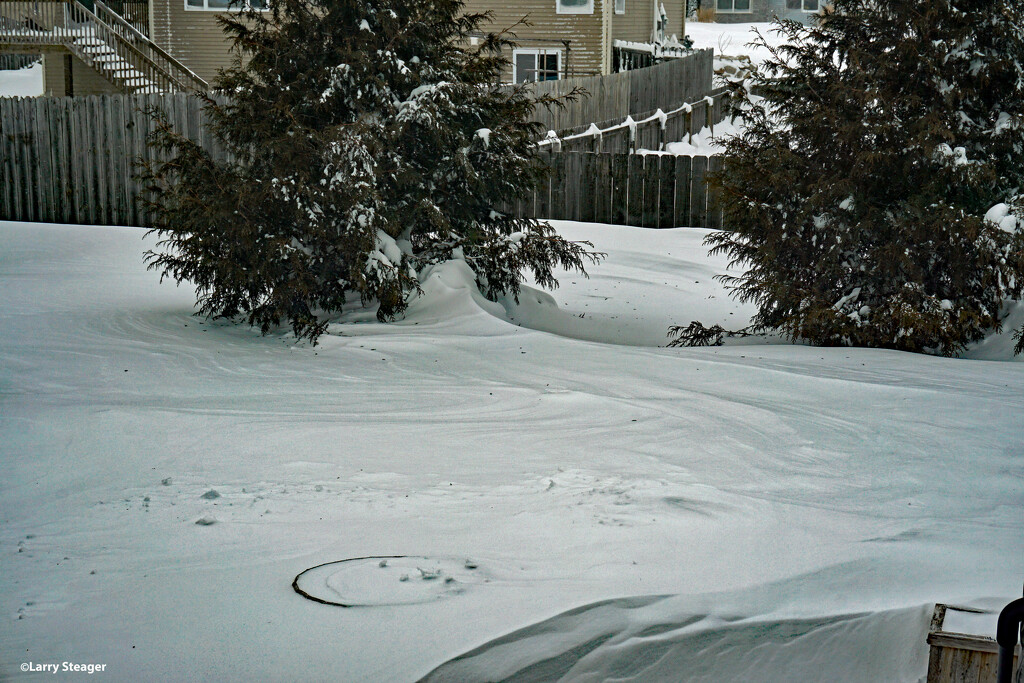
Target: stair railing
(32, 23)
(185, 78)
(72, 25)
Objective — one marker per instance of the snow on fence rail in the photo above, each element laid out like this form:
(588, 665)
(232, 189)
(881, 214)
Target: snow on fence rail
(643, 190)
(649, 131)
(70, 160)
(664, 86)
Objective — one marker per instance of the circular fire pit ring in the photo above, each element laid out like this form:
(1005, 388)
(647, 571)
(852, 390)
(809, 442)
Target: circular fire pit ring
(387, 580)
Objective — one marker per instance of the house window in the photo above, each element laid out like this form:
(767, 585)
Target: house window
(223, 5)
(574, 6)
(537, 65)
(805, 5)
(620, 6)
(735, 5)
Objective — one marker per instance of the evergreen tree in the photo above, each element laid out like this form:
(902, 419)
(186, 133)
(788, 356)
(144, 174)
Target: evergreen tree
(876, 193)
(363, 141)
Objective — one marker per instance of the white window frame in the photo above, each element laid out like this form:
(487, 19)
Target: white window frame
(537, 51)
(206, 7)
(620, 6)
(821, 3)
(586, 9)
(749, 10)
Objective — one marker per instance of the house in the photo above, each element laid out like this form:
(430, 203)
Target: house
(568, 38)
(95, 47)
(742, 11)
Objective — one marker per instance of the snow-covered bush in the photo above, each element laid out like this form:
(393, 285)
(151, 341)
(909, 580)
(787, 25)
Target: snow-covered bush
(861, 193)
(365, 140)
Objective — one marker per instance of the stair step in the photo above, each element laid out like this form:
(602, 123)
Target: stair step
(97, 51)
(117, 65)
(106, 58)
(127, 74)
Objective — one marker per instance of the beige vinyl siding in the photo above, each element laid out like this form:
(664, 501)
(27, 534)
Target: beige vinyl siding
(548, 30)
(637, 23)
(85, 79)
(191, 36)
(195, 38)
(759, 11)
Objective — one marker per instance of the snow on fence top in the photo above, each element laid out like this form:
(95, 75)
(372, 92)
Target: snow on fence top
(650, 131)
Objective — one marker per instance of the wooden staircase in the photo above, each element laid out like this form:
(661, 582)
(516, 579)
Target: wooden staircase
(102, 39)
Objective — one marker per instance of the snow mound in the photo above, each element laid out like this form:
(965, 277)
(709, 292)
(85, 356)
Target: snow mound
(999, 346)
(630, 639)
(449, 290)
(448, 300)
(649, 281)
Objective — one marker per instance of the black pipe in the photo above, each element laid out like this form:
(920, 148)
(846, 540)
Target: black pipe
(1007, 635)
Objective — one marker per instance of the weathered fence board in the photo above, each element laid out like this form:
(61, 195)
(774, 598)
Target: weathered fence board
(602, 188)
(652, 191)
(620, 180)
(698, 192)
(714, 193)
(6, 160)
(667, 194)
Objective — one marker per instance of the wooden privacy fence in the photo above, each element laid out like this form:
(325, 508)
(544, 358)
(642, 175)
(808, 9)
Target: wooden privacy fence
(664, 86)
(644, 190)
(70, 160)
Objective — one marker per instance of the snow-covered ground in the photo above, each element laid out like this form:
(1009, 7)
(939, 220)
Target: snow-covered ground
(705, 142)
(733, 39)
(757, 511)
(27, 82)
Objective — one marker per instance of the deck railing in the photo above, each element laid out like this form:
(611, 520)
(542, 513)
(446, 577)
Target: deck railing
(135, 12)
(103, 40)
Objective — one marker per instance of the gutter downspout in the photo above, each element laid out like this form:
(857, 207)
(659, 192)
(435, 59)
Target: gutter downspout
(607, 16)
(654, 21)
